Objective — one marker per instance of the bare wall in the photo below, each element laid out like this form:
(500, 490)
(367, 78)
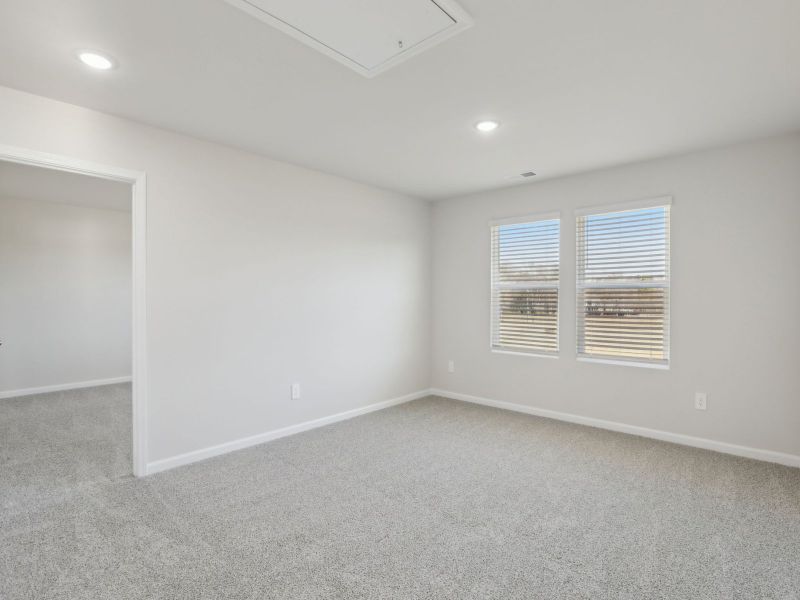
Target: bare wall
(65, 294)
(260, 274)
(735, 324)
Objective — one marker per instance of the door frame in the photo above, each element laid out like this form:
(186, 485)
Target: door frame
(137, 181)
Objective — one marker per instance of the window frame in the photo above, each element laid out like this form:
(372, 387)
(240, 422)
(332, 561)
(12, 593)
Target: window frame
(515, 350)
(657, 202)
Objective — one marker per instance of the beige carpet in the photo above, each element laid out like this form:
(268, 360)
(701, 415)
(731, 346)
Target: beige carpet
(432, 499)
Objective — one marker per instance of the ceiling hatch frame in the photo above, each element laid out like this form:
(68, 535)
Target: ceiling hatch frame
(461, 21)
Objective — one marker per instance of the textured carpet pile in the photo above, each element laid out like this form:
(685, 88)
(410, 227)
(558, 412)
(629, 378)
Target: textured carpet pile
(432, 499)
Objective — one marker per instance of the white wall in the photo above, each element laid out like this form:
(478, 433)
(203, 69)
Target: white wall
(260, 274)
(65, 304)
(735, 303)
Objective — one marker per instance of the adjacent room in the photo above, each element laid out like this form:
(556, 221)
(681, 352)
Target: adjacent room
(399, 299)
(65, 317)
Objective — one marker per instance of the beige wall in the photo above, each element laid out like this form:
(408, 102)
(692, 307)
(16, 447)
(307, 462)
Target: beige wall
(735, 301)
(65, 294)
(260, 274)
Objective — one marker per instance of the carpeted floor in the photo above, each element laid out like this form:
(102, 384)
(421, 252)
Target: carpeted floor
(432, 499)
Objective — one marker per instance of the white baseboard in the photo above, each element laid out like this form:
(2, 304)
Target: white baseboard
(781, 458)
(63, 386)
(254, 440)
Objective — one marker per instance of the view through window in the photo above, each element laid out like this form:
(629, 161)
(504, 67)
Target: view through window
(623, 284)
(525, 279)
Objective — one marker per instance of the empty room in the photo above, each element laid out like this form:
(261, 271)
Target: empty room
(65, 314)
(399, 299)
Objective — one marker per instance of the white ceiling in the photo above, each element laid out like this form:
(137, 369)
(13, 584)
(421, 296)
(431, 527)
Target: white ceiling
(48, 185)
(577, 85)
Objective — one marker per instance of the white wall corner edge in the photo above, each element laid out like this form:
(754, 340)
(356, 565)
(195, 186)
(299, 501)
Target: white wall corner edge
(781, 458)
(166, 464)
(77, 385)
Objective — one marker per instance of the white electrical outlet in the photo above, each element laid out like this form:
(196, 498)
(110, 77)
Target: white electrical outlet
(295, 391)
(700, 400)
(451, 366)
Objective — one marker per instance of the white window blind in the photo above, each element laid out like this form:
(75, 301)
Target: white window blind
(525, 278)
(623, 283)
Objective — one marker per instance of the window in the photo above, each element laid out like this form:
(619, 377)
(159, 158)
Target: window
(623, 283)
(525, 285)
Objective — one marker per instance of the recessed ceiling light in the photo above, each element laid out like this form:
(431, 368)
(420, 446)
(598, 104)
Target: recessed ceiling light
(95, 60)
(487, 126)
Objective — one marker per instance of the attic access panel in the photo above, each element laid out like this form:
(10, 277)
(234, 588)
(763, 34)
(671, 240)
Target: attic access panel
(369, 36)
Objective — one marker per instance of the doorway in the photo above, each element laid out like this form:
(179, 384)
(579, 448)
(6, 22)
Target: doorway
(92, 203)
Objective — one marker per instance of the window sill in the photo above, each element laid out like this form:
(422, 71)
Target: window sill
(523, 353)
(626, 363)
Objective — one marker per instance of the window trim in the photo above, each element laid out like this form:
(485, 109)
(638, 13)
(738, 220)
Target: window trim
(533, 353)
(528, 218)
(654, 202)
(634, 362)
